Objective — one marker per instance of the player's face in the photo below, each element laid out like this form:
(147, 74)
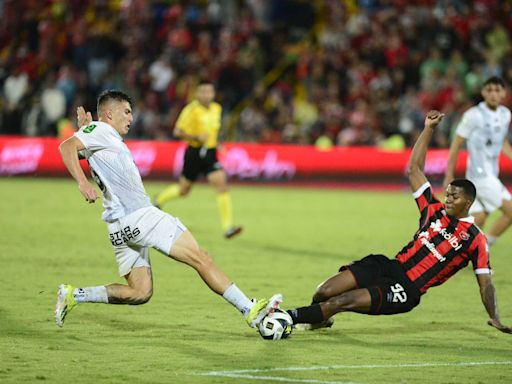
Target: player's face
(121, 115)
(456, 202)
(493, 95)
(205, 93)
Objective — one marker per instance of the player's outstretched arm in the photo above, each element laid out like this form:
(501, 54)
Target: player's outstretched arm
(455, 147)
(419, 152)
(488, 294)
(69, 152)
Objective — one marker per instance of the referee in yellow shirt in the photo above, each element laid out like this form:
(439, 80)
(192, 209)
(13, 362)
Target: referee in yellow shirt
(199, 124)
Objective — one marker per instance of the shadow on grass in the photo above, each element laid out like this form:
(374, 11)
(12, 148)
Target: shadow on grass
(275, 249)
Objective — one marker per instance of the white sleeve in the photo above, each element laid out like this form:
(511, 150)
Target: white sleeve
(471, 120)
(94, 137)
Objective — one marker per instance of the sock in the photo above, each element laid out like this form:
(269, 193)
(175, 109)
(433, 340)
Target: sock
(170, 193)
(225, 210)
(236, 297)
(491, 240)
(310, 315)
(91, 295)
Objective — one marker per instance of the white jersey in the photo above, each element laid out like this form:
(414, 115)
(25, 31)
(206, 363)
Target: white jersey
(113, 169)
(485, 131)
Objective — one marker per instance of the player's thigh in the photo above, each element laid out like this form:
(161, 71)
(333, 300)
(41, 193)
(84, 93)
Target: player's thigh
(357, 300)
(186, 250)
(335, 285)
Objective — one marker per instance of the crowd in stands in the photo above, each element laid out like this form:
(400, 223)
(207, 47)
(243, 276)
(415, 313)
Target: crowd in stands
(290, 71)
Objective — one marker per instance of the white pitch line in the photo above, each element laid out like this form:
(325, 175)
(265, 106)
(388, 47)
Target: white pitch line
(364, 366)
(271, 378)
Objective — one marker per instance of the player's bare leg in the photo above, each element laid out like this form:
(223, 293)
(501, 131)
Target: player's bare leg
(138, 291)
(501, 224)
(187, 250)
(336, 285)
(480, 218)
(332, 287)
(320, 315)
(357, 300)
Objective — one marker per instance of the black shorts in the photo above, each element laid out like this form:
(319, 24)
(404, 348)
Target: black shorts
(198, 161)
(391, 290)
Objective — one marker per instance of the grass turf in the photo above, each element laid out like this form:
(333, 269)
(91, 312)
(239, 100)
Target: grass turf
(292, 240)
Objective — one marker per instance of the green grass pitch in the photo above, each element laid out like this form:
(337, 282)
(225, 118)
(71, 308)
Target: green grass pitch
(292, 240)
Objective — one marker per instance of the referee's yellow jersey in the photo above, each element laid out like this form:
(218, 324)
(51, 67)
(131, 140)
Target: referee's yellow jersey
(195, 119)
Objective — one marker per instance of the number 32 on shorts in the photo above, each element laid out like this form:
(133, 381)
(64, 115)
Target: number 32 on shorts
(398, 293)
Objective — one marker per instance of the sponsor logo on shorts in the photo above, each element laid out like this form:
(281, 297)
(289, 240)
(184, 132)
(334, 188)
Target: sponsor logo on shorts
(124, 235)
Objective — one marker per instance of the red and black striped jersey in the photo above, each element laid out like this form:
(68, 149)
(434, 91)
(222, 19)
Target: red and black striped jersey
(442, 245)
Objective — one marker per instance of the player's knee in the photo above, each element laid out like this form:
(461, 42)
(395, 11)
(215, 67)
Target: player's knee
(323, 292)
(142, 296)
(203, 259)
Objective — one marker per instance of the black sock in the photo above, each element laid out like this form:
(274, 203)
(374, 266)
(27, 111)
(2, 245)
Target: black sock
(310, 315)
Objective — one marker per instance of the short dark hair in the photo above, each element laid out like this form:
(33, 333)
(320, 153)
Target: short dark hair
(468, 187)
(112, 94)
(495, 80)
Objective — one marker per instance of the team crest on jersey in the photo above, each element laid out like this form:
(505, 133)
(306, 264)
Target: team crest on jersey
(464, 235)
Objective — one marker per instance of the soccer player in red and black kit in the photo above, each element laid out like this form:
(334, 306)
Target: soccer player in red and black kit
(446, 241)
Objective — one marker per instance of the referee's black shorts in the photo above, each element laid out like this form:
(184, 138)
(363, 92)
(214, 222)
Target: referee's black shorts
(199, 161)
(391, 290)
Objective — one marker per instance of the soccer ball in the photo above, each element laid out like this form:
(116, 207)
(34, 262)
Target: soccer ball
(276, 325)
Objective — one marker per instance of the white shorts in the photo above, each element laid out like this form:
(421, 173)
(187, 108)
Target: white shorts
(490, 193)
(133, 235)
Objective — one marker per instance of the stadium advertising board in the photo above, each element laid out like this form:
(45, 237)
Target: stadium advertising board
(155, 159)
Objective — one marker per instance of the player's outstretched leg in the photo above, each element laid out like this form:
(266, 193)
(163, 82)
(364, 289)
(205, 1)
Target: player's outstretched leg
(186, 250)
(65, 303)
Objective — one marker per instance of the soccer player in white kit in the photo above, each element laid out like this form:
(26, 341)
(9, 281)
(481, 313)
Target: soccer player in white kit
(134, 224)
(484, 128)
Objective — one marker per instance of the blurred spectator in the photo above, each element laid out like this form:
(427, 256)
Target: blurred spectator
(289, 71)
(53, 103)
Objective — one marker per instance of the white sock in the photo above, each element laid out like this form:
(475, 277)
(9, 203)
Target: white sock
(91, 294)
(236, 297)
(491, 240)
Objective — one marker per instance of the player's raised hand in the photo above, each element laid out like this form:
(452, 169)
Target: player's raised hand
(433, 118)
(89, 192)
(82, 117)
(500, 327)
